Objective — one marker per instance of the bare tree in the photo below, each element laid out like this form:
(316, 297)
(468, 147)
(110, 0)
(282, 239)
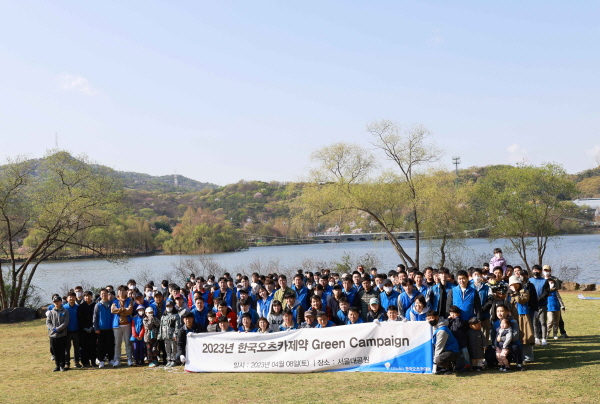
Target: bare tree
(411, 152)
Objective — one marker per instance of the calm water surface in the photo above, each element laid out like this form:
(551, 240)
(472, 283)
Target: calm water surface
(581, 250)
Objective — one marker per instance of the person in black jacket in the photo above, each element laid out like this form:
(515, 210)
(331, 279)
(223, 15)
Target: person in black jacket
(189, 326)
(459, 329)
(87, 336)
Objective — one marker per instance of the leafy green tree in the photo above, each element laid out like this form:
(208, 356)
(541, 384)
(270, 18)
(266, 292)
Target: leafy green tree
(525, 205)
(55, 203)
(346, 179)
(445, 211)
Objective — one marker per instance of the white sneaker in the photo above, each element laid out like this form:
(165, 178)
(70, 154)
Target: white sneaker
(101, 365)
(98, 362)
(544, 342)
(556, 337)
(116, 363)
(537, 341)
(129, 362)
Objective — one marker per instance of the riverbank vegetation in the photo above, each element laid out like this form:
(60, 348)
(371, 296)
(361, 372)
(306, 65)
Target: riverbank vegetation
(63, 206)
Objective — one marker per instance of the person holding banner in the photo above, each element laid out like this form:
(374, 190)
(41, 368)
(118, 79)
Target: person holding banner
(393, 315)
(446, 350)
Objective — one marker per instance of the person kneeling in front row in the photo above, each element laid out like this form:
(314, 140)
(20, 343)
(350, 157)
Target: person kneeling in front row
(446, 350)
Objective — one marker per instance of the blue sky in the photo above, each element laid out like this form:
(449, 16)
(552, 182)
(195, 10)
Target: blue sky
(222, 91)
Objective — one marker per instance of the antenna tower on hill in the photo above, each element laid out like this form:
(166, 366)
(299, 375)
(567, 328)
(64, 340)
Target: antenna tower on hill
(175, 182)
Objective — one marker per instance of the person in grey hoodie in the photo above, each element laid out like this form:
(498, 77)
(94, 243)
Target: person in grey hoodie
(57, 321)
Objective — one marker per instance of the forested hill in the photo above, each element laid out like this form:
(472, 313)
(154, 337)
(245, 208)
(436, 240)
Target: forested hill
(163, 183)
(587, 182)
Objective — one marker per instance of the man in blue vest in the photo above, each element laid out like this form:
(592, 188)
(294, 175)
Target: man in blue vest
(445, 346)
(464, 297)
(484, 297)
(389, 295)
(542, 289)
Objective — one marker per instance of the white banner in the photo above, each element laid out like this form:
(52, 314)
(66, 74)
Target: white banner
(367, 347)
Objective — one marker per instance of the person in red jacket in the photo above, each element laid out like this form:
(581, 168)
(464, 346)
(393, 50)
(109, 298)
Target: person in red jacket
(225, 311)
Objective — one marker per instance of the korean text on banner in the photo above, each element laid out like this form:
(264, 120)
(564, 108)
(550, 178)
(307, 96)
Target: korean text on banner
(368, 347)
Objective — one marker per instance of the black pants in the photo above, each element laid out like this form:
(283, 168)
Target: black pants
(445, 359)
(87, 343)
(72, 339)
(162, 351)
(561, 326)
(516, 354)
(106, 345)
(58, 347)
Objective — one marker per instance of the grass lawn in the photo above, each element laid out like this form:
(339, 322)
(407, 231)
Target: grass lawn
(565, 371)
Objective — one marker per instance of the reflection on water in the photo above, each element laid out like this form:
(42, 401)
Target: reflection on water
(582, 250)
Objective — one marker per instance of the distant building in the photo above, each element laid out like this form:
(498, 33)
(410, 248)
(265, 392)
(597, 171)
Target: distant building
(593, 203)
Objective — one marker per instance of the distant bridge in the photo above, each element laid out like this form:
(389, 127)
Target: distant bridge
(314, 238)
(341, 237)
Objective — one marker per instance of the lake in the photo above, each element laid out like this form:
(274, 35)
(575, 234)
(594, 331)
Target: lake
(51, 277)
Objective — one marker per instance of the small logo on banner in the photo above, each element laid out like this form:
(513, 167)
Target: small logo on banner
(387, 366)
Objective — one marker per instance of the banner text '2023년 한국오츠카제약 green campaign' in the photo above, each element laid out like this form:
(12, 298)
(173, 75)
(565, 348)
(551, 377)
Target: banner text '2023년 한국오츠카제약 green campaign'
(367, 347)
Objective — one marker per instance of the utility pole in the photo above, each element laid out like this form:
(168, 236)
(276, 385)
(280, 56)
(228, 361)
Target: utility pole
(175, 182)
(456, 162)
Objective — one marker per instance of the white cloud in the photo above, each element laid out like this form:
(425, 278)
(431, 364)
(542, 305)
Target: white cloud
(437, 38)
(594, 153)
(71, 82)
(517, 154)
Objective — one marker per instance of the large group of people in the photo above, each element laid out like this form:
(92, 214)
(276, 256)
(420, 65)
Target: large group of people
(482, 317)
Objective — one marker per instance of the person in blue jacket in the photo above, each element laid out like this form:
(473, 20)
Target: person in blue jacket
(323, 320)
(103, 327)
(72, 331)
(445, 347)
(354, 316)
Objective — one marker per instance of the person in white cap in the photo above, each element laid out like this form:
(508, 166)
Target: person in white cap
(519, 302)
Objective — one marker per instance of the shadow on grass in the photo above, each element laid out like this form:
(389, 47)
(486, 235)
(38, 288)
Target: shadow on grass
(569, 353)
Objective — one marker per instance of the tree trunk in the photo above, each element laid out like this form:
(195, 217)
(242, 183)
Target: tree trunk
(443, 251)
